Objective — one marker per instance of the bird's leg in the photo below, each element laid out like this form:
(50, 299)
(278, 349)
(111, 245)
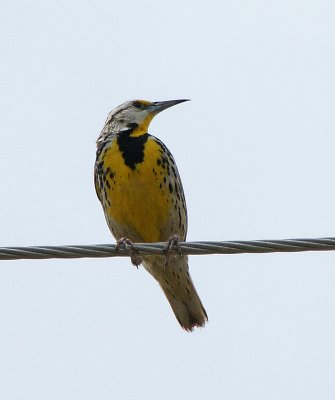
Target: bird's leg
(134, 254)
(172, 244)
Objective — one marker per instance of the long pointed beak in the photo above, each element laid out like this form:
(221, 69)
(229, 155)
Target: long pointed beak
(159, 106)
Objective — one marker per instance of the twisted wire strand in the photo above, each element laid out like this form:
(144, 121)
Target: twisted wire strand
(191, 248)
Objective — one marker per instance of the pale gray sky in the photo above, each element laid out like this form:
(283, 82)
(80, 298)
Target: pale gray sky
(255, 150)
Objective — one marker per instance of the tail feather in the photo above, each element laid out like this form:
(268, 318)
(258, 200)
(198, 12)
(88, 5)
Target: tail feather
(190, 313)
(178, 287)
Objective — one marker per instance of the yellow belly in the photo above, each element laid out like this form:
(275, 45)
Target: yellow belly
(138, 202)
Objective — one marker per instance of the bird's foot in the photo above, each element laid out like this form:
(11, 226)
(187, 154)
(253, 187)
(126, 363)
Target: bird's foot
(134, 254)
(172, 244)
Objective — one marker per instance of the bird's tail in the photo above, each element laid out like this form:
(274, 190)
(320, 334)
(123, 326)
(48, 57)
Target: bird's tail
(178, 287)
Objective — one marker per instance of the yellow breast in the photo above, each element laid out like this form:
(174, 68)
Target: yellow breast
(143, 200)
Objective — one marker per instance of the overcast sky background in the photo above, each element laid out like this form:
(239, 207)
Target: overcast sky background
(255, 150)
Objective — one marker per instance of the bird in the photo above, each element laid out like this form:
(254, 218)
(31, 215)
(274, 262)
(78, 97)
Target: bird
(141, 193)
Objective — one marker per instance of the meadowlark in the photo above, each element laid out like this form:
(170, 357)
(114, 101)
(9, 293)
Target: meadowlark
(139, 187)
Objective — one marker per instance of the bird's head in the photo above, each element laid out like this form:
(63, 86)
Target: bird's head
(135, 115)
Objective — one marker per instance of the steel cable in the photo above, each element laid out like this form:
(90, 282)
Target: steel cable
(191, 248)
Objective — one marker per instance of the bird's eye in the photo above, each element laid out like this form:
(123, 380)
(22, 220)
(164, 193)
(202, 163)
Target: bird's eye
(137, 104)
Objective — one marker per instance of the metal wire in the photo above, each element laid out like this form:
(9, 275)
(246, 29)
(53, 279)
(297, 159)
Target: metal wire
(192, 248)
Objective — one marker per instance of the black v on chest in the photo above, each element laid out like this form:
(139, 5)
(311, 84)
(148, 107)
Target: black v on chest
(132, 148)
